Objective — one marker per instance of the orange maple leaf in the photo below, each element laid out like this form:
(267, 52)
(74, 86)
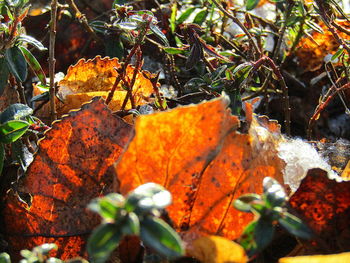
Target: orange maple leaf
(72, 166)
(196, 153)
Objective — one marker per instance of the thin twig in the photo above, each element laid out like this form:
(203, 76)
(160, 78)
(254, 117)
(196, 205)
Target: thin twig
(83, 21)
(52, 60)
(283, 30)
(132, 82)
(21, 93)
(333, 91)
(240, 24)
(121, 74)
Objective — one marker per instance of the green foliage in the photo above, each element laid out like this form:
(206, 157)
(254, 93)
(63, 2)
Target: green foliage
(137, 214)
(270, 209)
(14, 56)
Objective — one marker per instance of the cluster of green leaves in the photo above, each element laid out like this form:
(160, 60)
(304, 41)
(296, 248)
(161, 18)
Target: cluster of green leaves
(14, 54)
(270, 209)
(137, 214)
(39, 254)
(14, 123)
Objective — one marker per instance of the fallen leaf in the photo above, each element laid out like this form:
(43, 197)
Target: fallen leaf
(215, 249)
(335, 258)
(196, 154)
(95, 77)
(324, 204)
(312, 50)
(99, 74)
(72, 167)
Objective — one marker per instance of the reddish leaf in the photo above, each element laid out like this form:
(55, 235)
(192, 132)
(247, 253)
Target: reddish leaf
(324, 204)
(198, 156)
(72, 166)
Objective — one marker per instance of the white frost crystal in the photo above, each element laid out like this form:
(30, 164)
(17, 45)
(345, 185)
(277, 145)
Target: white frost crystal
(299, 157)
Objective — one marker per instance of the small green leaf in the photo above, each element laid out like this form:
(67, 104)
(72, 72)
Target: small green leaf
(32, 41)
(186, 14)
(218, 72)
(16, 63)
(103, 240)
(200, 17)
(5, 258)
(4, 75)
(295, 226)
(273, 192)
(34, 65)
(158, 235)
(244, 67)
(174, 50)
(243, 203)
(337, 54)
(2, 158)
(155, 30)
(147, 197)
(130, 224)
(314, 26)
(45, 249)
(15, 112)
(12, 130)
(263, 233)
(107, 206)
(251, 4)
(41, 97)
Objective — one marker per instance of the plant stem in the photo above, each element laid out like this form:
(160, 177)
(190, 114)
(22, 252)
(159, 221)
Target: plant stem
(20, 91)
(121, 73)
(240, 24)
(83, 21)
(333, 91)
(283, 30)
(52, 60)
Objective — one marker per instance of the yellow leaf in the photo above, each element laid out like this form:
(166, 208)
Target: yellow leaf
(215, 249)
(334, 258)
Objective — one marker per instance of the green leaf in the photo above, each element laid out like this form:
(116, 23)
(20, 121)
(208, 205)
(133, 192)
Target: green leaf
(251, 4)
(12, 130)
(173, 17)
(5, 258)
(32, 41)
(200, 17)
(16, 63)
(218, 72)
(41, 97)
(337, 54)
(2, 158)
(295, 226)
(263, 233)
(314, 26)
(186, 14)
(243, 203)
(155, 30)
(15, 112)
(174, 50)
(158, 235)
(107, 206)
(130, 224)
(45, 249)
(273, 192)
(103, 240)
(147, 197)
(247, 238)
(4, 75)
(244, 67)
(34, 65)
